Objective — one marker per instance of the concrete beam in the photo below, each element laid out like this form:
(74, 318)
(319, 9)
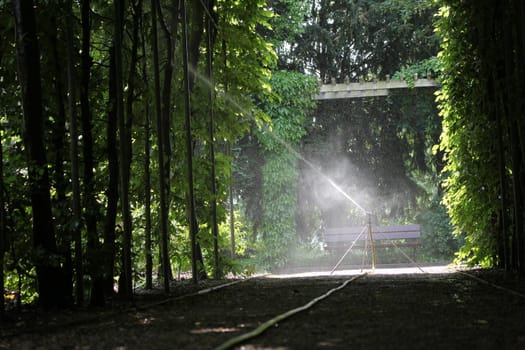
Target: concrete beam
(368, 89)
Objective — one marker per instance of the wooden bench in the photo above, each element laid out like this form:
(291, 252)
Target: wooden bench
(383, 236)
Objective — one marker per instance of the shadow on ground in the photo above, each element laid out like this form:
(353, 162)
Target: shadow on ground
(387, 309)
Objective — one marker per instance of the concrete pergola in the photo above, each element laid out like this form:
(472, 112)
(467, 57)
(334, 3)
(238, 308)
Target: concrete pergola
(369, 89)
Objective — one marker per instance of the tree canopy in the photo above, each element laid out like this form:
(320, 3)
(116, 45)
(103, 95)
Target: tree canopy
(363, 39)
(119, 108)
(140, 138)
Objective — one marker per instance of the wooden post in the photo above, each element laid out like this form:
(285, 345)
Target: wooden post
(371, 239)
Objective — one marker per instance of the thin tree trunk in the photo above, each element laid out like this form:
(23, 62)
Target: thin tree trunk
(511, 111)
(58, 137)
(147, 202)
(195, 32)
(515, 57)
(2, 228)
(192, 218)
(124, 153)
(232, 210)
(126, 124)
(517, 168)
(230, 184)
(90, 203)
(73, 132)
(170, 34)
(112, 192)
(193, 38)
(502, 239)
(50, 277)
(213, 180)
(132, 82)
(147, 178)
(160, 145)
(167, 87)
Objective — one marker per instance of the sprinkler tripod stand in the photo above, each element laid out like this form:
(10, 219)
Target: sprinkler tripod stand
(370, 239)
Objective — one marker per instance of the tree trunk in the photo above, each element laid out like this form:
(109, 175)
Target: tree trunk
(195, 33)
(213, 180)
(232, 212)
(73, 133)
(510, 110)
(125, 134)
(131, 84)
(517, 168)
(112, 192)
(58, 139)
(166, 269)
(50, 277)
(515, 57)
(192, 218)
(125, 125)
(90, 203)
(170, 35)
(147, 177)
(502, 232)
(2, 228)
(193, 38)
(519, 42)
(147, 202)
(230, 182)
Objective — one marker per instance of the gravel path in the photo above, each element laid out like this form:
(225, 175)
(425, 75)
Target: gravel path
(379, 311)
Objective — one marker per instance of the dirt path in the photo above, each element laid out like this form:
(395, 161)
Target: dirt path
(407, 311)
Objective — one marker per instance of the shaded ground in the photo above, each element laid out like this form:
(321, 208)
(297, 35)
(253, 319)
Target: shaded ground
(381, 311)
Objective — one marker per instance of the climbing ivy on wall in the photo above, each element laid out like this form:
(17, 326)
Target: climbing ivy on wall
(482, 107)
(289, 109)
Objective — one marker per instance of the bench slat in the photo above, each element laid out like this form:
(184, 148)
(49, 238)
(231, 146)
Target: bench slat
(397, 228)
(395, 235)
(350, 234)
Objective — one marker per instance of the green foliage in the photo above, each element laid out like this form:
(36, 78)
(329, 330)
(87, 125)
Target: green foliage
(19, 258)
(365, 39)
(428, 68)
(482, 108)
(181, 256)
(287, 21)
(242, 65)
(472, 183)
(266, 167)
(286, 24)
(289, 113)
(288, 109)
(438, 241)
(306, 254)
(268, 116)
(377, 150)
(246, 70)
(278, 232)
(241, 73)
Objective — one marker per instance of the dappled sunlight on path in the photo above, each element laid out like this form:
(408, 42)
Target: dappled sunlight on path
(397, 270)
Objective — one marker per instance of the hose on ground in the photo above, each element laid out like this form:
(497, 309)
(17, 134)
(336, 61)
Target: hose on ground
(263, 327)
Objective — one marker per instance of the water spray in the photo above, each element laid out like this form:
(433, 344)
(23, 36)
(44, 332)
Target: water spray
(310, 164)
(288, 147)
